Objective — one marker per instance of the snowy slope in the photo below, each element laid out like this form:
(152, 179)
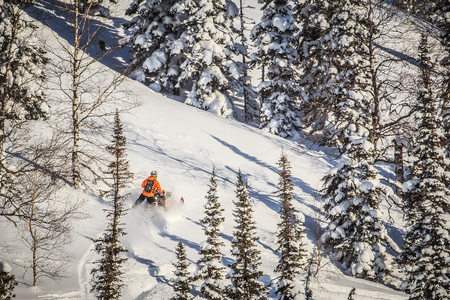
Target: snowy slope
(183, 144)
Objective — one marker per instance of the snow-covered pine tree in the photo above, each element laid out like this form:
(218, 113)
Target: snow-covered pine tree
(427, 10)
(7, 285)
(7, 282)
(313, 19)
(353, 191)
(345, 61)
(244, 278)
(279, 95)
(108, 275)
(210, 268)
(289, 237)
(355, 233)
(426, 251)
(183, 278)
(21, 95)
(441, 18)
(155, 42)
(209, 66)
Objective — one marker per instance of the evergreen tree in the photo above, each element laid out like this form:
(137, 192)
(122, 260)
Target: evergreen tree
(7, 285)
(7, 282)
(155, 42)
(426, 250)
(209, 66)
(314, 18)
(441, 18)
(345, 61)
(183, 278)
(21, 95)
(108, 276)
(244, 279)
(274, 38)
(353, 191)
(355, 233)
(289, 237)
(210, 269)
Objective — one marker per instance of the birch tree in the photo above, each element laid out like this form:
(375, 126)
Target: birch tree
(87, 89)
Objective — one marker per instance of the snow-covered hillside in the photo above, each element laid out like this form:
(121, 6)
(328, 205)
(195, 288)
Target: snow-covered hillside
(184, 144)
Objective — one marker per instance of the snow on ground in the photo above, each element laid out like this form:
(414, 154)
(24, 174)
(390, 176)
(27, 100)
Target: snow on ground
(184, 144)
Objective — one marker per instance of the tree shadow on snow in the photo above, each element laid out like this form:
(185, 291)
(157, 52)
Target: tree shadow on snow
(53, 14)
(153, 269)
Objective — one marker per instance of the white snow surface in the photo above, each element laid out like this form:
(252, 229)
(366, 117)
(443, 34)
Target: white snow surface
(184, 144)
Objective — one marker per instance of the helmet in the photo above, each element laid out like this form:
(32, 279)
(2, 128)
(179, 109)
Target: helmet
(154, 174)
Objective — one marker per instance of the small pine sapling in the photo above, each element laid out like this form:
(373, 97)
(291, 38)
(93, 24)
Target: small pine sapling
(183, 279)
(245, 275)
(290, 233)
(210, 268)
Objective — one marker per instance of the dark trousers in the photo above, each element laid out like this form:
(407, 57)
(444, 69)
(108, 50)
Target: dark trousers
(142, 197)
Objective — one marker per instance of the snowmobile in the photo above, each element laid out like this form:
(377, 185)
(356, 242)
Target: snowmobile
(163, 199)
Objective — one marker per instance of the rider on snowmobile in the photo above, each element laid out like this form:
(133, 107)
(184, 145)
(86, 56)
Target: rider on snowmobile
(150, 186)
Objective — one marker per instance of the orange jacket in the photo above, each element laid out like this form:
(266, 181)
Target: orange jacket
(155, 186)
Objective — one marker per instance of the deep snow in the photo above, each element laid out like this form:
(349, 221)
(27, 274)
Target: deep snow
(183, 144)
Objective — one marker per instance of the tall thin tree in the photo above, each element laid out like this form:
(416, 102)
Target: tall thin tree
(274, 39)
(246, 269)
(183, 279)
(89, 90)
(210, 268)
(427, 201)
(108, 275)
(289, 237)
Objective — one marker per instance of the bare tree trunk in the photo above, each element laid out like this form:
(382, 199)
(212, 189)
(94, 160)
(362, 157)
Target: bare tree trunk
(33, 231)
(244, 84)
(375, 88)
(398, 162)
(75, 82)
(90, 90)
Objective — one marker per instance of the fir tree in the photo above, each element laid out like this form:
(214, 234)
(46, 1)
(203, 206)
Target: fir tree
(244, 279)
(155, 42)
(210, 269)
(345, 61)
(183, 278)
(426, 250)
(353, 191)
(355, 233)
(274, 38)
(108, 276)
(314, 18)
(7, 282)
(441, 18)
(209, 66)
(289, 237)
